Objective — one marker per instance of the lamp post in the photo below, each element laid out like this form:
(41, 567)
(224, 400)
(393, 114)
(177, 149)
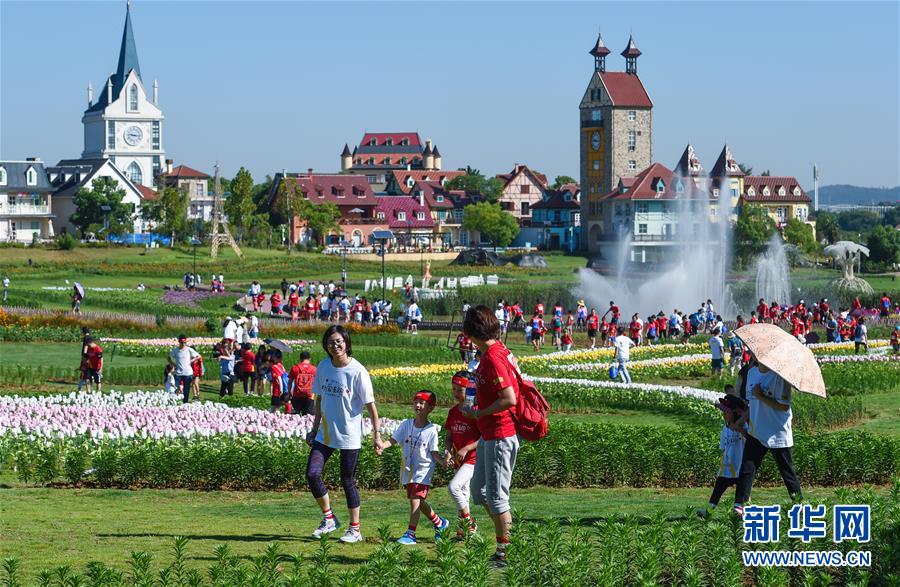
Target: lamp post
(195, 241)
(344, 270)
(106, 210)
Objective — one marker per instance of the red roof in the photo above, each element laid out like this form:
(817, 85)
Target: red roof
(397, 137)
(646, 186)
(146, 192)
(430, 191)
(185, 172)
(625, 89)
(403, 175)
(393, 206)
(572, 188)
(758, 183)
(508, 177)
(341, 190)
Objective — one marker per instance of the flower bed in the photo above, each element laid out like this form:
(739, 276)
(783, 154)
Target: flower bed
(145, 414)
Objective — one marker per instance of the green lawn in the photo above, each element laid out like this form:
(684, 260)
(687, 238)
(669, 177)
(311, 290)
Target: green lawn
(45, 528)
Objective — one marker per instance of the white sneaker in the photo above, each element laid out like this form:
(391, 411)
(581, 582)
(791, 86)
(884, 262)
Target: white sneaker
(351, 536)
(326, 527)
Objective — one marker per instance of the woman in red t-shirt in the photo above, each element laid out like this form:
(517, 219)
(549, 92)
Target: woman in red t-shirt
(496, 391)
(462, 439)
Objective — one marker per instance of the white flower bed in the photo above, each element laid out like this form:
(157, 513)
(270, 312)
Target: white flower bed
(692, 392)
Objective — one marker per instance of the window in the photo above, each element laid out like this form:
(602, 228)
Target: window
(781, 191)
(632, 140)
(766, 191)
(154, 134)
(386, 161)
(715, 192)
(401, 215)
(31, 176)
(379, 215)
(132, 98)
(524, 188)
(458, 214)
(420, 215)
(110, 134)
(442, 215)
(525, 208)
(596, 164)
(156, 166)
(370, 178)
(751, 192)
(438, 198)
(632, 115)
(404, 141)
(134, 173)
(402, 160)
(370, 161)
(567, 197)
(2, 176)
(632, 165)
(781, 213)
(642, 207)
(796, 190)
(372, 142)
(389, 143)
(642, 229)
(597, 115)
(198, 190)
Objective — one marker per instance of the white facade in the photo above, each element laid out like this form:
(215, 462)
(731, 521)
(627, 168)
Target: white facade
(131, 137)
(64, 204)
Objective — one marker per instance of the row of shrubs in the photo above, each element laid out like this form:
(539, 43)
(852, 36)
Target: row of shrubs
(572, 454)
(619, 550)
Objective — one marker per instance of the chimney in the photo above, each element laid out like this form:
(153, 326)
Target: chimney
(90, 94)
(155, 93)
(169, 165)
(516, 169)
(309, 173)
(34, 159)
(422, 198)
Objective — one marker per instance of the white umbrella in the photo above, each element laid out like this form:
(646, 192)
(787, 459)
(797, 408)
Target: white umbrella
(785, 355)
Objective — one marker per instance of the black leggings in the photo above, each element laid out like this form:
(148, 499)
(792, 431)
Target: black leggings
(754, 451)
(722, 483)
(318, 455)
(226, 387)
(248, 378)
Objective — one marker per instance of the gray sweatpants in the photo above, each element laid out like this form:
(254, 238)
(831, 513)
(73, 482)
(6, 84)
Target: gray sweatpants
(494, 464)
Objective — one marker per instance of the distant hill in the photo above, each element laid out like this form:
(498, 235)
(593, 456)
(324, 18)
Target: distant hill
(830, 195)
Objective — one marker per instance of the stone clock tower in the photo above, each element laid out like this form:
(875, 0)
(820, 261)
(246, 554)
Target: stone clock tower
(125, 123)
(615, 134)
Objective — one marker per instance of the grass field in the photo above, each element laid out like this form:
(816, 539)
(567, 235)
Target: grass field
(46, 528)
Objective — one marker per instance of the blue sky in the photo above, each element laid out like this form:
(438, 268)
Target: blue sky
(272, 85)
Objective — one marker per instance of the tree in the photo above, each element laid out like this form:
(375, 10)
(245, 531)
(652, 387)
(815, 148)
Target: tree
(562, 180)
(261, 195)
(473, 182)
(827, 228)
(171, 210)
(751, 232)
(884, 245)
(746, 169)
(487, 218)
(765, 173)
(89, 215)
(858, 220)
(800, 234)
(287, 205)
(320, 218)
(239, 204)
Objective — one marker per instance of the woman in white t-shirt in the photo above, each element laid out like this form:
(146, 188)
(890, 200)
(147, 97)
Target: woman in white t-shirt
(769, 429)
(342, 388)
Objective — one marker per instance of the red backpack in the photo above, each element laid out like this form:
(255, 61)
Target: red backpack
(530, 412)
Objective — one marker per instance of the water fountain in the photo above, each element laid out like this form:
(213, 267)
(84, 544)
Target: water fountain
(694, 272)
(773, 276)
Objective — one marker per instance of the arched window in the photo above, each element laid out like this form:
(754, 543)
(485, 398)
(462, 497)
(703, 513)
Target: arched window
(134, 173)
(2, 176)
(31, 176)
(133, 97)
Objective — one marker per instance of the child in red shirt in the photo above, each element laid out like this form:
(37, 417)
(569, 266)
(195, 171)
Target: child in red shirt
(248, 368)
(275, 300)
(301, 380)
(279, 389)
(94, 361)
(566, 341)
(461, 439)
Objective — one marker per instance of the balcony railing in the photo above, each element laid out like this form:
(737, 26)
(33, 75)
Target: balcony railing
(591, 124)
(25, 210)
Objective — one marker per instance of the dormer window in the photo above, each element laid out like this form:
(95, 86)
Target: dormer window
(132, 98)
(781, 191)
(386, 161)
(679, 188)
(733, 166)
(2, 176)
(567, 197)
(31, 176)
(796, 190)
(402, 160)
(379, 215)
(404, 141)
(319, 193)
(420, 215)
(660, 187)
(766, 191)
(372, 142)
(439, 198)
(401, 215)
(389, 143)
(751, 192)
(410, 181)
(370, 161)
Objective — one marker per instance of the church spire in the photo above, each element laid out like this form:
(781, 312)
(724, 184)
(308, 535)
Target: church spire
(631, 53)
(600, 51)
(128, 58)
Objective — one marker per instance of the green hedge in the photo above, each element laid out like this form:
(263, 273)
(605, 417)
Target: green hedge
(576, 455)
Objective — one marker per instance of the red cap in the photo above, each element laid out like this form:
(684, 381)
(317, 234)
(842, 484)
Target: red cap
(427, 396)
(181, 338)
(460, 381)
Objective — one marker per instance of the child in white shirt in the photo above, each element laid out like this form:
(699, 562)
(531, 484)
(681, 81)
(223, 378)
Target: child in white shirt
(170, 379)
(731, 443)
(419, 440)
